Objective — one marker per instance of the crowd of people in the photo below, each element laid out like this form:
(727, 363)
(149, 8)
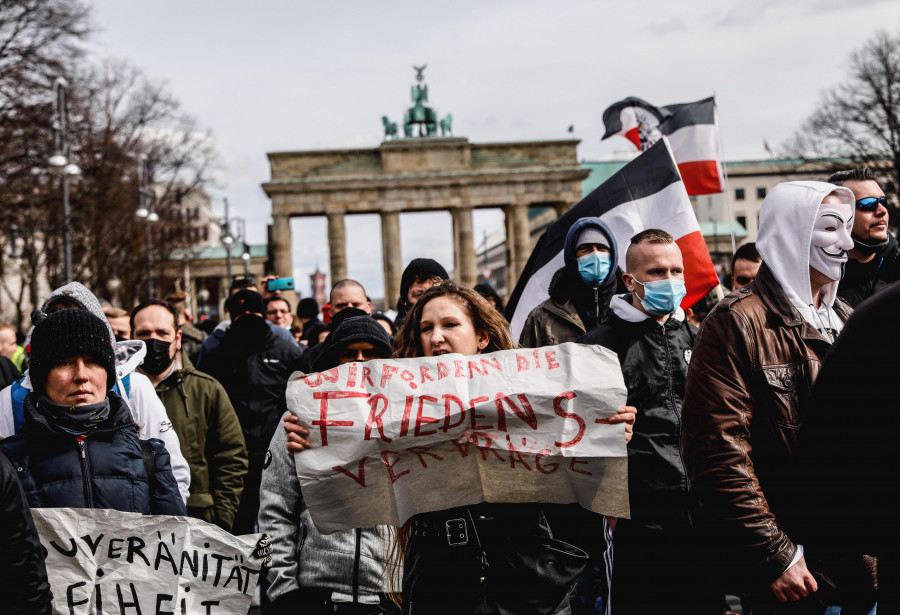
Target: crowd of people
(756, 427)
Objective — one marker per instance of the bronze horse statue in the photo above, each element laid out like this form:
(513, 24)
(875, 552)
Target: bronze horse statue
(390, 128)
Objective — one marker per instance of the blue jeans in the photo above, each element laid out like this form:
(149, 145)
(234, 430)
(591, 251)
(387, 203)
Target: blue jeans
(836, 610)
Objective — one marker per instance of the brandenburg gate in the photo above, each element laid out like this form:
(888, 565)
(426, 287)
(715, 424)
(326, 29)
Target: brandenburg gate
(422, 173)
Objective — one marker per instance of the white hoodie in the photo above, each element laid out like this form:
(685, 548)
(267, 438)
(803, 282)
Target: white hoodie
(786, 223)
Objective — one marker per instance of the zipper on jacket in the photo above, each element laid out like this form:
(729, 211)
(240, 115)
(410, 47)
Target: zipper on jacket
(356, 566)
(184, 399)
(597, 305)
(669, 369)
(85, 475)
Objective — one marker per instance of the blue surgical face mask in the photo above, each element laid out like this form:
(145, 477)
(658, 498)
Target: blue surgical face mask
(662, 297)
(594, 267)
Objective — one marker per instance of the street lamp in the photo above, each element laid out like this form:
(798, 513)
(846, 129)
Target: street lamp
(227, 240)
(146, 199)
(232, 236)
(61, 165)
(246, 258)
(241, 237)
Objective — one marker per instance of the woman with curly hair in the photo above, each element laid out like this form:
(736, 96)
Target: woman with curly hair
(510, 562)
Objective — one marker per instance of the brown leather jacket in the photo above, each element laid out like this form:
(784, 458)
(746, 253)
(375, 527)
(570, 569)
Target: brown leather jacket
(750, 378)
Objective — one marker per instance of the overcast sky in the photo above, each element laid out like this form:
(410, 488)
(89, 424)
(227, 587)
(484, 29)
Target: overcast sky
(288, 75)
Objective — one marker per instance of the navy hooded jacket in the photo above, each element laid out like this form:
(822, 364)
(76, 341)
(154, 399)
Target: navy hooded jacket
(105, 470)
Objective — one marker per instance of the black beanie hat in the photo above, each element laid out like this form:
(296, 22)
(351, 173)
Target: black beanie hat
(353, 329)
(65, 334)
(345, 314)
(244, 301)
(307, 308)
(419, 267)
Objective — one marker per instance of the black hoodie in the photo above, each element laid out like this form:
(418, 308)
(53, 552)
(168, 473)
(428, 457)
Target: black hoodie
(862, 280)
(574, 307)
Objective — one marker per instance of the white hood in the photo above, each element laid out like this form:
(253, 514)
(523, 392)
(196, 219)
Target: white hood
(129, 354)
(622, 307)
(786, 223)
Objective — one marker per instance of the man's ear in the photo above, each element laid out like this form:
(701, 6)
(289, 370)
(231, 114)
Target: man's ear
(629, 281)
(178, 340)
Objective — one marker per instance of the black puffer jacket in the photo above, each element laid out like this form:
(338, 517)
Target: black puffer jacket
(862, 280)
(23, 576)
(654, 360)
(105, 470)
(253, 364)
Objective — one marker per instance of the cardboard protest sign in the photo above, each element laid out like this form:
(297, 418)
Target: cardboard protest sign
(396, 437)
(106, 561)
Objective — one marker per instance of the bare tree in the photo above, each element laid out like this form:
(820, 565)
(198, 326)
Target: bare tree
(119, 115)
(37, 39)
(116, 115)
(860, 119)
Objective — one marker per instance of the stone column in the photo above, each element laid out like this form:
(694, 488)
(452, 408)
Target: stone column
(281, 251)
(281, 245)
(454, 215)
(393, 263)
(510, 249)
(465, 245)
(562, 208)
(521, 240)
(337, 246)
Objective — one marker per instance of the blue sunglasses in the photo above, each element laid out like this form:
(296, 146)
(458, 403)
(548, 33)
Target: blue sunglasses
(871, 203)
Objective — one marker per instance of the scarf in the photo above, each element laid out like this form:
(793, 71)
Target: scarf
(74, 420)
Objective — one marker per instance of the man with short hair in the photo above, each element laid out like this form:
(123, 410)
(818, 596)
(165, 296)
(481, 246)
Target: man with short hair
(875, 257)
(658, 546)
(748, 388)
(349, 293)
(191, 337)
(215, 338)
(278, 312)
(201, 413)
(744, 265)
(580, 291)
(253, 365)
(9, 346)
(345, 294)
(118, 320)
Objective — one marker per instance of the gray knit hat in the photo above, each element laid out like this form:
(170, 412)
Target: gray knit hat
(591, 234)
(77, 294)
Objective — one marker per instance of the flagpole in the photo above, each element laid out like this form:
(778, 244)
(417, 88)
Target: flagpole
(725, 194)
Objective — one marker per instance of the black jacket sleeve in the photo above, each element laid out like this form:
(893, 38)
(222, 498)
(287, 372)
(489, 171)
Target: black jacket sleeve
(23, 576)
(8, 372)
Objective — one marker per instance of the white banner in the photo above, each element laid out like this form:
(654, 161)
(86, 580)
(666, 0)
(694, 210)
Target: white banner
(396, 437)
(106, 561)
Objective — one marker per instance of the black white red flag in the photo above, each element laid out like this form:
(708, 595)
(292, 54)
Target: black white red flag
(692, 129)
(645, 193)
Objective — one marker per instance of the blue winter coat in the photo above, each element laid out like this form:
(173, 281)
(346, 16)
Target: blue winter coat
(105, 470)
